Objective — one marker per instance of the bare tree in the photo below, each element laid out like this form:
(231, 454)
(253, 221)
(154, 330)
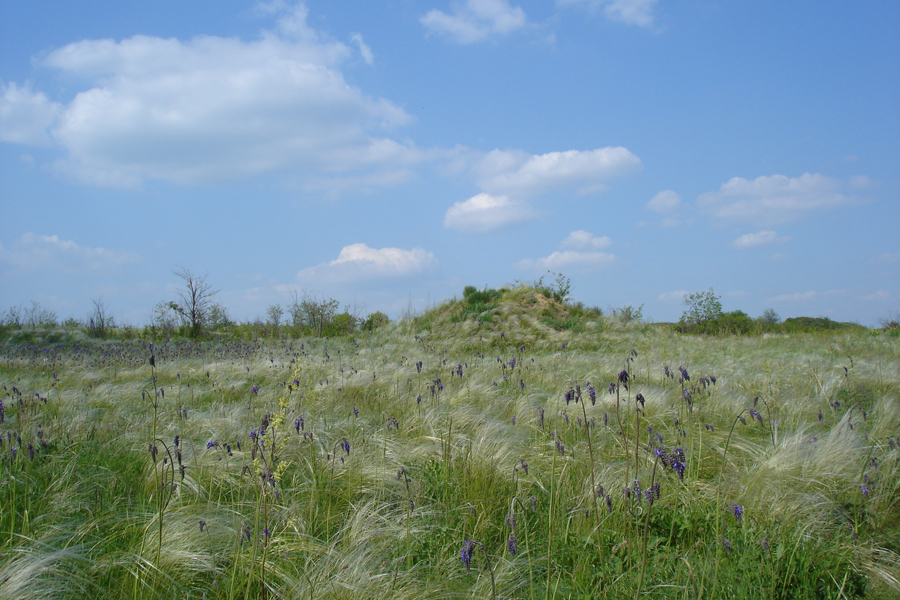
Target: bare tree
(99, 322)
(196, 300)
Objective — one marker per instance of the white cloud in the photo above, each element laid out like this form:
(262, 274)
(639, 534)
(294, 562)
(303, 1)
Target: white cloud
(632, 12)
(359, 262)
(515, 171)
(211, 109)
(579, 253)
(476, 21)
(878, 296)
(808, 295)
(673, 296)
(364, 50)
(568, 259)
(34, 252)
(665, 201)
(760, 238)
(25, 116)
(795, 297)
(582, 240)
(774, 199)
(889, 257)
(484, 213)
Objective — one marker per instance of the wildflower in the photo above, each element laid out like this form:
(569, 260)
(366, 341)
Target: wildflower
(177, 440)
(756, 415)
(511, 520)
(559, 447)
(202, 525)
(213, 444)
(727, 545)
(742, 419)
(153, 451)
(570, 395)
(346, 446)
(592, 393)
(639, 398)
(512, 544)
(623, 378)
(737, 511)
(609, 504)
(468, 548)
(865, 490)
(355, 412)
(666, 371)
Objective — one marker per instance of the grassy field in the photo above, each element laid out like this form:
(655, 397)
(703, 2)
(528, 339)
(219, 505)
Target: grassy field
(514, 449)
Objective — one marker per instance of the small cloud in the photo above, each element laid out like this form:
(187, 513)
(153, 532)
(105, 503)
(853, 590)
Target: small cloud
(515, 171)
(760, 238)
(889, 257)
(484, 213)
(774, 199)
(665, 201)
(631, 12)
(795, 297)
(568, 259)
(674, 296)
(358, 262)
(582, 240)
(878, 296)
(364, 50)
(34, 252)
(851, 158)
(26, 116)
(860, 182)
(476, 21)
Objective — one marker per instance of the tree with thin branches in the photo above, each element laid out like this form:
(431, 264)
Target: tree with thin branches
(196, 301)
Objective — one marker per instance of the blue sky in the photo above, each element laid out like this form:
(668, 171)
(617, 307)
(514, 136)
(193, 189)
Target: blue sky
(388, 154)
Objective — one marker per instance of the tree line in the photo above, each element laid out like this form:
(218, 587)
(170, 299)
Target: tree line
(195, 314)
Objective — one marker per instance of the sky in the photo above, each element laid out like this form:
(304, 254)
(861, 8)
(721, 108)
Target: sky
(388, 154)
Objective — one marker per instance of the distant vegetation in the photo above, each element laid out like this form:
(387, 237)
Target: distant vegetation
(547, 301)
(506, 444)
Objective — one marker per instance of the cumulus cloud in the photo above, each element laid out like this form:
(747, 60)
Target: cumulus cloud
(583, 240)
(211, 109)
(632, 12)
(359, 262)
(35, 252)
(579, 253)
(476, 21)
(26, 116)
(772, 200)
(484, 213)
(760, 238)
(568, 259)
(665, 201)
(518, 172)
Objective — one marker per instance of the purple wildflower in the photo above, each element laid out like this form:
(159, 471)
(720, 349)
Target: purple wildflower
(512, 544)
(468, 548)
(737, 511)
